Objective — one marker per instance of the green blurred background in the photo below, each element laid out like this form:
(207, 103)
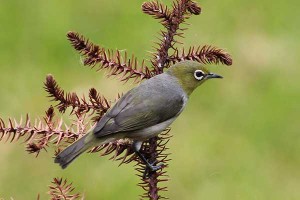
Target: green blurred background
(238, 137)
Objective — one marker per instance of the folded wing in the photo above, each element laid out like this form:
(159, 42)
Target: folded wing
(139, 111)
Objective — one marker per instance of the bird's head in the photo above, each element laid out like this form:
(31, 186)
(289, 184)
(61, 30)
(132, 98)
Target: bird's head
(190, 74)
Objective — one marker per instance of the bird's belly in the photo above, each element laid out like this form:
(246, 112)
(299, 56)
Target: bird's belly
(151, 131)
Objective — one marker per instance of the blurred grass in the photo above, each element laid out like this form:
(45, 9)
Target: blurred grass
(238, 137)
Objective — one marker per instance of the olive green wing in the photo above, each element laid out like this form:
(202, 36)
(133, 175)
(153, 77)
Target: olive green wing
(135, 112)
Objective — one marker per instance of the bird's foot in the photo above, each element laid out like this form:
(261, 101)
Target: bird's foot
(151, 169)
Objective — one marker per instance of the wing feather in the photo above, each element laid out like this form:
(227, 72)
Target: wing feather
(138, 109)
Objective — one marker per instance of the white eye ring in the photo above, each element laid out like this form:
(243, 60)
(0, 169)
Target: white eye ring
(199, 74)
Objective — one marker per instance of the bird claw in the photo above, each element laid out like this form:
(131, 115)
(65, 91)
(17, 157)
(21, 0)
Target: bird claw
(151, 169)
(155, 168)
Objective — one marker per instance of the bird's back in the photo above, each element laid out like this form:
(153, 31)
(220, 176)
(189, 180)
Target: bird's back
(152, 102)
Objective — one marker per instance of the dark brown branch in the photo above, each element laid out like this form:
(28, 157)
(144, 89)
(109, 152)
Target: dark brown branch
(155, 151)
(125, 68)
(194, 8)
(171, 20)
(56, 93)
(79, 106)
(206, 55)
(158, 11)
(155, 147)
(121, 150)
(49, 132)
(41, 134)
(98, 103)
(62, 190)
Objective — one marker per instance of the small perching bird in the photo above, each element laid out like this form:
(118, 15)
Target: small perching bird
(144, 111)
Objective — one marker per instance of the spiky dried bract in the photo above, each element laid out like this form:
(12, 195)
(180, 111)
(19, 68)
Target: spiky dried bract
(206, 55)
(49, 114)
(90, 51)
(182, 9)
(162, 12)
(117, 65)
(62, 190)
(98, 103)
(194, 8)
(42, 133)
(79, 106)
(121, 150)
(55, 132)
(157, 10)
(56, 93)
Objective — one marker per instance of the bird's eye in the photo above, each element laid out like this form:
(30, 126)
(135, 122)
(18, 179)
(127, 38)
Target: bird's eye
(199, 74)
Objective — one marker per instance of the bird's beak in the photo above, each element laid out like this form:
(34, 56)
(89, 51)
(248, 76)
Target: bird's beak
(211, 75)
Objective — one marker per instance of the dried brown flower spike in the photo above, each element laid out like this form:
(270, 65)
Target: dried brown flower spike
(62, 190)
(117, 64)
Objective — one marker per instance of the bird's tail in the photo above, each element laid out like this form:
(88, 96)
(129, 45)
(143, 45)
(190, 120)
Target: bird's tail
(65, 157)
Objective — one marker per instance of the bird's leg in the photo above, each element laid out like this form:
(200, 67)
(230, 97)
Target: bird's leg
(149, 167)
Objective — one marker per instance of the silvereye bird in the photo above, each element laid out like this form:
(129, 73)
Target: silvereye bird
(144, 111)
